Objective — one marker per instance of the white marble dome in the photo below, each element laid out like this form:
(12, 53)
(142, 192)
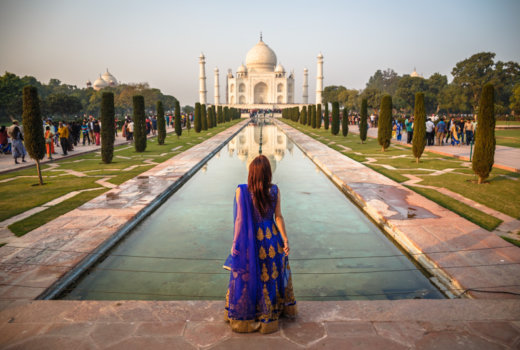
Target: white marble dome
(109, 78)
(99, 83)
(279, 69)
(241, 69)
(261, 58)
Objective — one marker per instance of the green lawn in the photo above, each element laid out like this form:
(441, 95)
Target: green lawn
(503, 122)
(509, 138)
(21, 193)
(500, 192)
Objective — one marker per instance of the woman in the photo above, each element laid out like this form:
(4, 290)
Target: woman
(97, 132)
(18, 147)
(260, 284)
(454, 134)
(49, 141)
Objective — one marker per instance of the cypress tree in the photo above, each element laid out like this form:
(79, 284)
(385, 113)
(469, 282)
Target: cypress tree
(363, 123)
(177, 120)
(219, 115)
(419, 132)
(335, 118)
(139, 124)
(484, 154)
(326, 117)
(188, 123)
(313, 116)
(318, 116)
(384, 128)
(204, 117)
(226, 114)
(344, 122)
(303, 116)
(309, 115)
(214, 115)
(197, 122)
(161, 124)
(107, 127)
(33, 127)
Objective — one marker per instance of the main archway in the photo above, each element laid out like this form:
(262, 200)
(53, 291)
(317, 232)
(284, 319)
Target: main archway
(261, 92)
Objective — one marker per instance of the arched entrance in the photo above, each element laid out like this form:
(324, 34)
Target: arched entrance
(261, 92)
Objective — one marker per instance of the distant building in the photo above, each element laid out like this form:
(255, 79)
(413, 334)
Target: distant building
(415, 74)
(104, 80)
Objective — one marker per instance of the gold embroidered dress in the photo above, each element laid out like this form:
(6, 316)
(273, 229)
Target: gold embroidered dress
(260, 284)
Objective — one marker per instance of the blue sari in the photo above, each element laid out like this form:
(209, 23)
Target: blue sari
(260, 284)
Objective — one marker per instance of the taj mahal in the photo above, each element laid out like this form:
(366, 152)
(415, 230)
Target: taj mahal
(261, 82)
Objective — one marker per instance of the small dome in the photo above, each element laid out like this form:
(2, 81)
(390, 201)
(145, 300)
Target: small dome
(109, 78)
(320, 55)
(279, 68)
(415, 74)
(242, 69)
(99, 83)
(261, 58)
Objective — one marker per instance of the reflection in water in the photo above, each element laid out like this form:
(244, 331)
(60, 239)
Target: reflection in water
(247, 145)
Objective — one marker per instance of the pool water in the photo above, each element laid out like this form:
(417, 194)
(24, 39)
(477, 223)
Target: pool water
(177, 252)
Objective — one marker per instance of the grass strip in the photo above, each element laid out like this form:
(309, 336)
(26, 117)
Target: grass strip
(20, 228)
(484, 220)
(511, 240)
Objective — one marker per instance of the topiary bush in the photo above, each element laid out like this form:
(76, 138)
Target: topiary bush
(326, 117)
(139, 123)
(318, 116)
(33, 127)
(161, 124)
(485, 142)
(335, 118)
(384, 128)
(177, 120)
(363, 123)
(419, 126)
(344, 123)
(108, 133)
(197, 122)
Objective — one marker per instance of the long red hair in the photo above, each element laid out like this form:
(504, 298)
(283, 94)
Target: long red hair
(259, 183)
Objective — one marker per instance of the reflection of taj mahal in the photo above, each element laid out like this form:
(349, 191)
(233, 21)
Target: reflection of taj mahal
(247, 144)
(260, 82)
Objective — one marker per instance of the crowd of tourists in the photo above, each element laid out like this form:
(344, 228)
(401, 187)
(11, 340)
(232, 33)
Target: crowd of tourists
(440, 130)
(67, 135)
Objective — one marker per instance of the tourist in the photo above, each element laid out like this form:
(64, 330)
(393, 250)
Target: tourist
(408, 123)
(49, 144)
(97, 133)
(17, 139)
(5, 145)
(130, 130)
(85, 131)
(91, 128)
(154, 125)
(430, 132)
(440, 130)
(63, 132)
(260, 284)
(454, 131)
(399, 130)
(468, 129)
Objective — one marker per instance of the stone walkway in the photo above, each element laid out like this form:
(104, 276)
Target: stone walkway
(507, 158)
(364, 325)
(461, 254)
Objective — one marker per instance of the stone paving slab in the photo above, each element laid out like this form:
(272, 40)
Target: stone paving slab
(460, 253)
(36, 261)
(402, 324)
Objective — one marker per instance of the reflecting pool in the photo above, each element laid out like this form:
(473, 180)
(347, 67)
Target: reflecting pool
(337, 253)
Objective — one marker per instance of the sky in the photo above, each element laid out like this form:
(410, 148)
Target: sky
(159, 42)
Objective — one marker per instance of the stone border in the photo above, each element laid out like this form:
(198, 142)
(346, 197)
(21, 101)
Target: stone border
(44, 261)
(458, 253)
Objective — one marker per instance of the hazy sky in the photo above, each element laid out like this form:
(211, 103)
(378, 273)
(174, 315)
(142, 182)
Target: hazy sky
(159, 42)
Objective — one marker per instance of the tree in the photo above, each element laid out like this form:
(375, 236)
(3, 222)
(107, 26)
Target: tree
(515, 100)
(204, 117)
(210, 117)
(139, 123)
(331, 93)
(363, 123)
(335, 118)
(177, 120)
(161, 123)
(384, 128)
(33, 127)
(303, 116)
(188, 123)
(188, 109)
(318, 116)
(344, 123)
(197, 122)
(472, 73)
(484, 154)
(226, 114)
(419, 132)
(313, 116)
(107, 127)
(384, 81)
(326, 117)
(309, 115)
(219, 115)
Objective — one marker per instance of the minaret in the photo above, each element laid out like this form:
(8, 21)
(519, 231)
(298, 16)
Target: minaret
(319, 79)
(305, 86)
(202, 80)
(217, 88)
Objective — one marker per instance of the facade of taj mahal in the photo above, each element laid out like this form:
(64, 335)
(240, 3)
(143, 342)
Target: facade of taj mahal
(261, 83)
